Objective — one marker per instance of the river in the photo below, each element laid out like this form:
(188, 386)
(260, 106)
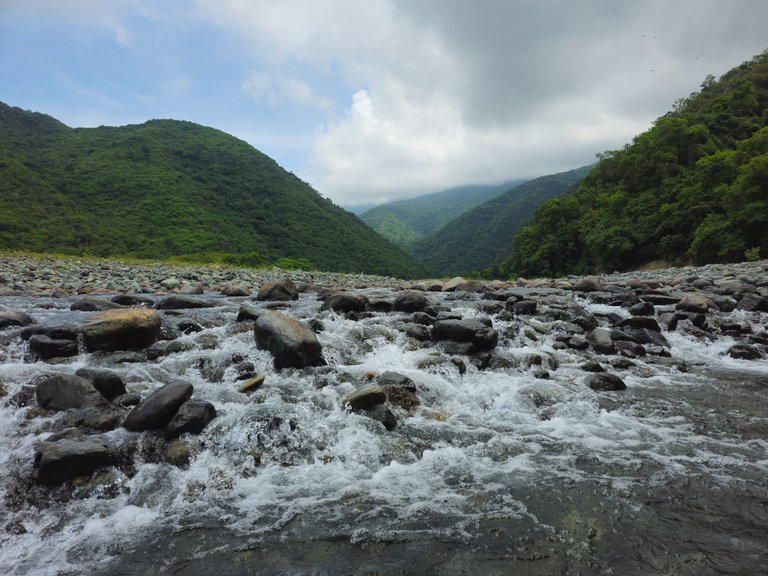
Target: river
(515, 468)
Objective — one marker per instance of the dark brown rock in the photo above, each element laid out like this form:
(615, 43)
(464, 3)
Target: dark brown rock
(57, 462)
(157, 409)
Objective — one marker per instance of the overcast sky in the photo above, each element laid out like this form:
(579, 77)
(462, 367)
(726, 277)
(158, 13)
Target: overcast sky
(373, 100)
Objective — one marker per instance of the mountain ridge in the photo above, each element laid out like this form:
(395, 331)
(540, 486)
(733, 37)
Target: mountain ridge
(167, 188)
(406, 221)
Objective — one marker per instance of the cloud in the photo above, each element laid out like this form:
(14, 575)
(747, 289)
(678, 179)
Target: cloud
(401, 97)
(277, 90)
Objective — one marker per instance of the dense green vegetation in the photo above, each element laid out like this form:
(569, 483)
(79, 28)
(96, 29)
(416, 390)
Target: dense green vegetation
(480, 237)
(170, 188)
(692, 188)
(407, 221)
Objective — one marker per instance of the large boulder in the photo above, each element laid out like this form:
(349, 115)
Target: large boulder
(278, 291)
(125, 329)
(157, 409)
(471, 330)
(57, 462)
(292, 343)
(64, 391)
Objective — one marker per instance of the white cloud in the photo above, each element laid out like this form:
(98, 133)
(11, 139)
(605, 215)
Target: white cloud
(277, 90)
(417, 95)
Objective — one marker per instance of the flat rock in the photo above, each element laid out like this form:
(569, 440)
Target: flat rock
(94, 304)
(181, 302)
(64, 391)
(472, 330)
(65, 459)
(125, 329)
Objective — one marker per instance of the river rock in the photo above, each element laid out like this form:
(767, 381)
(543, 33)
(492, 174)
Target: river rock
(292, 343)
(128, 329)
(11, 318)
(642, 309)
(192, 417)
(753, 302)
(248, 312)
(157, 409)
(604, 381)
(450, 285)
(344, 302)
(472, 286)
(602, 341)
(65, 459)
(93, 304)
(64, 391)
(365, 398)
(695, 302)
(107, 382)
(524, 308)
(132, 300)
(182, 302)
(587, 285)
(744, 352)
(472, 330)
(235, 290)
(52, 332)
(45, 348)
(639, 322)
(410, 301)
(278, 291)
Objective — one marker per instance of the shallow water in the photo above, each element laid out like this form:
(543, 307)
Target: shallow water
(667, 477)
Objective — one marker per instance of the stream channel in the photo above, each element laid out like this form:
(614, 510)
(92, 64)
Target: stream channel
(516, 467)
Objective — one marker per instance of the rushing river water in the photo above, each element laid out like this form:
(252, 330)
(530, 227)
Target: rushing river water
(497, 471)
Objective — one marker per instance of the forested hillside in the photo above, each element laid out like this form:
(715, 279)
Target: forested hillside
(168, 188)
(693, 187)
(407, 221)
(480, 237)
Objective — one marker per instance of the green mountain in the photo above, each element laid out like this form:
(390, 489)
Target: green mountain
(480, 237)
(407, 221)
(168, 188)
(693, 187)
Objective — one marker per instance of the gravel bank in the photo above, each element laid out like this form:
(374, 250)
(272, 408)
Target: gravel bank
(48, 276)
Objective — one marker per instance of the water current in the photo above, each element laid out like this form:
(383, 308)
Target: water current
(497, 471)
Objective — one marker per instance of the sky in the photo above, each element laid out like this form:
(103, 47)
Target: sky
(375, 100)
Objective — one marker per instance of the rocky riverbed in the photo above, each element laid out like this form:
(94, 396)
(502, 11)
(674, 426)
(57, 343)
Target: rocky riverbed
(160, 419)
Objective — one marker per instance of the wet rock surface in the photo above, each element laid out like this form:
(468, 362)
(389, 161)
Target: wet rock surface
(530, 427)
